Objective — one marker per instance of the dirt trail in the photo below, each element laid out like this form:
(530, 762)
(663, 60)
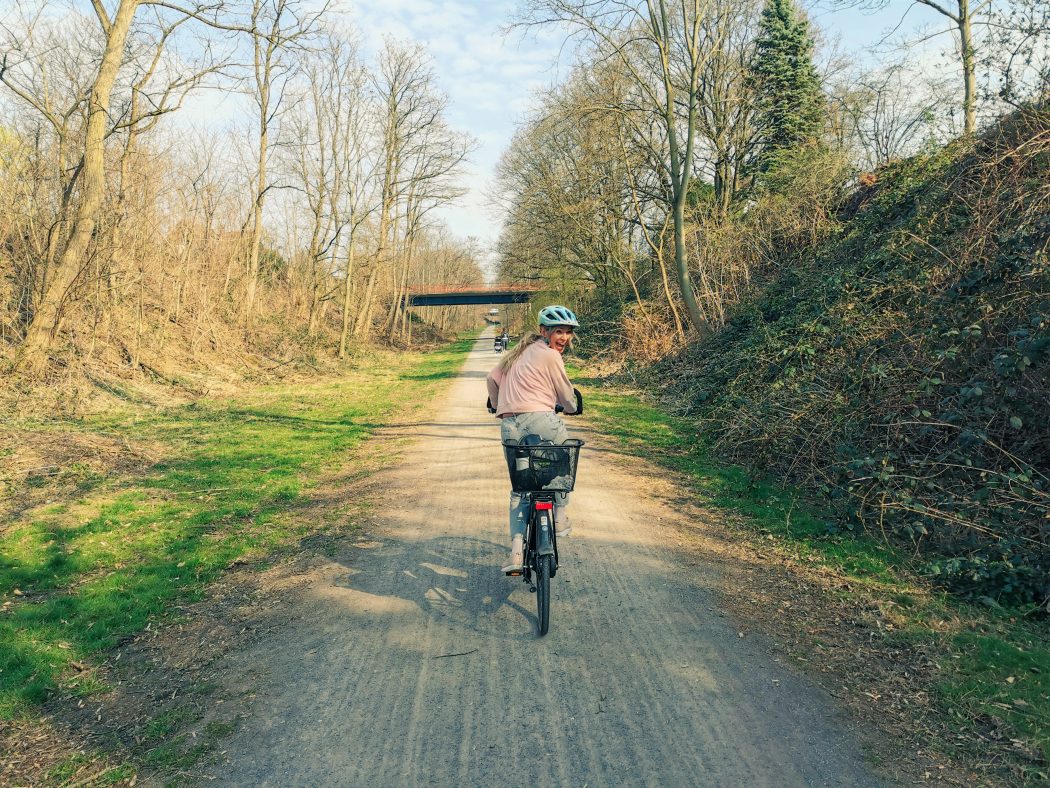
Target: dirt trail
(414, 661)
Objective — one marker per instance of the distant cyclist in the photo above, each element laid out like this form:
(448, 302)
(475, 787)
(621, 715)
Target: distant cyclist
(525, 388)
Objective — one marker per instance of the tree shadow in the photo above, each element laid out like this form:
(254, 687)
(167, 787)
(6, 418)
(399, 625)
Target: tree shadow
(449, 577)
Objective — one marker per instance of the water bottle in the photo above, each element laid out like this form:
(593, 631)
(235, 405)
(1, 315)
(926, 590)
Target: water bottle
(521, 459)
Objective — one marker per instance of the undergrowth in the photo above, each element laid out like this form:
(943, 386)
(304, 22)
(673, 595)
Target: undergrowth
(993, 663)
(901, 368)
(79, 576)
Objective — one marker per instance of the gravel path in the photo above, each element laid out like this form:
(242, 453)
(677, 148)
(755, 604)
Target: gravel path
(413, 661)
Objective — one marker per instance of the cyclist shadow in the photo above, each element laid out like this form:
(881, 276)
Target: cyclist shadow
(450, 577)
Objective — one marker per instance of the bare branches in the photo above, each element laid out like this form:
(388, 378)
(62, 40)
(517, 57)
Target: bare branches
(662, 49)
(103, 16)
(116, 215)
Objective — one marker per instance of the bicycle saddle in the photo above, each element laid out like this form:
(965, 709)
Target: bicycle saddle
(534, 440)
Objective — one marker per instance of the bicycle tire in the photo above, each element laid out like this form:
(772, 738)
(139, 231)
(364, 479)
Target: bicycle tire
(543, 592)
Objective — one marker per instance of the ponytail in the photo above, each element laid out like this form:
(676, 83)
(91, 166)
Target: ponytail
(508, 359)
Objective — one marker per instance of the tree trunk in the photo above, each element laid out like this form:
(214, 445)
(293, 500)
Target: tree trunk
(679, 328)
(32, 356)
(363, 325)
(347, 297)
(681, 261)
(400, 300)
(255, 239)
(263, 75)
(969, 69)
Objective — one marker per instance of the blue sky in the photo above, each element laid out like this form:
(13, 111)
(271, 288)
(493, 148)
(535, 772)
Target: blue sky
(490, 78)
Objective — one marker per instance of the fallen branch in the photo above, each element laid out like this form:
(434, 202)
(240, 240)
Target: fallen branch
(457, 654)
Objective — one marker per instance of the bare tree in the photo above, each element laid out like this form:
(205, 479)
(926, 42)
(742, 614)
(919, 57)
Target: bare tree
(410, 109)
(361, 169)
(316, 151)
(567, 192)
(435, 159)
(887, 113)
(46, 65)
(33, 356)
(1017, 57)
(279, 28)
(961, 14)
(88, 160)
(661, 46)
(725, 119)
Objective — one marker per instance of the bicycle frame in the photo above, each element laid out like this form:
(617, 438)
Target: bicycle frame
(540, 536)
(540, 470)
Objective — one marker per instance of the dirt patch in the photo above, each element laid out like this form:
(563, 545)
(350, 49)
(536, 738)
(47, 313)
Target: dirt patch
(35, 752)
(44, 466)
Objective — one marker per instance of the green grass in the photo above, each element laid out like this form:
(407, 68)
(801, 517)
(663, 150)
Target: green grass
(996, 664)
(174, 754)
(64, 771)
(94, 572)
(166, 723)
(1001, 673)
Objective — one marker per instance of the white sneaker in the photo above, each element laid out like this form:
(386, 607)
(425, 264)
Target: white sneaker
(517, 557)
(563, 527)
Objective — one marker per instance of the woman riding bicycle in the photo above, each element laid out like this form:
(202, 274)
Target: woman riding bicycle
(526, 388)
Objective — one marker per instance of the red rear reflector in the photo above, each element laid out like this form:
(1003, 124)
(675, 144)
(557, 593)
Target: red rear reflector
(544, 506)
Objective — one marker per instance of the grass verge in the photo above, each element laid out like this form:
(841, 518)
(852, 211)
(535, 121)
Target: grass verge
(992, 677)
(79, 575)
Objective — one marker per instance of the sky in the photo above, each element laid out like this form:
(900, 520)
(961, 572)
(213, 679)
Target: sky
(490, 77)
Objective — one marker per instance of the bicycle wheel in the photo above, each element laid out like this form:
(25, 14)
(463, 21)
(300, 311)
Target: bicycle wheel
(543, 591)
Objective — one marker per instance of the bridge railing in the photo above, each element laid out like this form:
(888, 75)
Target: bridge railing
(473, 288)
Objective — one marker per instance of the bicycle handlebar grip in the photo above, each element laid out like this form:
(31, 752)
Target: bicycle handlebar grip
(579, 405)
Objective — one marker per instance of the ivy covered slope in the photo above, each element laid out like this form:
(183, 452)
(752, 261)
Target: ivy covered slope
(904, 367)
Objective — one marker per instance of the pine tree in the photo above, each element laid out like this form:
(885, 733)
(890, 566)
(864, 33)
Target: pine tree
(789, 102)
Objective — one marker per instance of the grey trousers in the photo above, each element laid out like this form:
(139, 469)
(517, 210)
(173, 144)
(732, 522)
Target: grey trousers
(549, 426)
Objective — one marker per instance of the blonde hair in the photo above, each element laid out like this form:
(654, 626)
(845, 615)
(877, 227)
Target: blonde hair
(508, 359)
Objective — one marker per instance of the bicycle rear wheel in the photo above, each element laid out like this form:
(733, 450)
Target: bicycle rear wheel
(543, 591)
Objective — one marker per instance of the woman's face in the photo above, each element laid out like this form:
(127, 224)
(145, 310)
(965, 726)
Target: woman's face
(558, 337)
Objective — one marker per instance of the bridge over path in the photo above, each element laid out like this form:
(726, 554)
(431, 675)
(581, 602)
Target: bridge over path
(470, 294)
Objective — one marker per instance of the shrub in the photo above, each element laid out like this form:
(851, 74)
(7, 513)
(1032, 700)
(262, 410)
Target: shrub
(901, 365)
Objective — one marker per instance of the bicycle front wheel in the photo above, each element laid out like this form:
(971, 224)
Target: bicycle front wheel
(543, 591)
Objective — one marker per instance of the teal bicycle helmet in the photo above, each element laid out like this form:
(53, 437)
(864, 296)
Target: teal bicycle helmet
(551, 316)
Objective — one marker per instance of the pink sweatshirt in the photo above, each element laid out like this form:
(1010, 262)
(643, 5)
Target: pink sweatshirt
(535, 382)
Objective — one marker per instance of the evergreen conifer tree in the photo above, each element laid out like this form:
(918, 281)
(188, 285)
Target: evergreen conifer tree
(789, 102)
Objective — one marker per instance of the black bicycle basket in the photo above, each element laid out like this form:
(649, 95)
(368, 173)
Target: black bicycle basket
(548, 467)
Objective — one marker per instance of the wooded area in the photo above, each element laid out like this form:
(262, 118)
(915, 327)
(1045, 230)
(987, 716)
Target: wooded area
(133, 240)
(700, 161)
(840, 274)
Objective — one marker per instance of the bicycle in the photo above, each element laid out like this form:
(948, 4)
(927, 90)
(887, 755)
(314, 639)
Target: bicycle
(538, 470)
